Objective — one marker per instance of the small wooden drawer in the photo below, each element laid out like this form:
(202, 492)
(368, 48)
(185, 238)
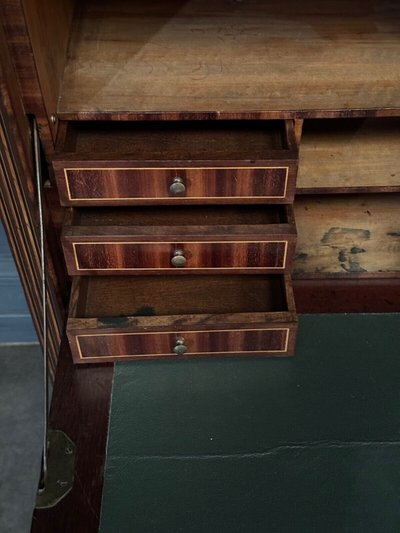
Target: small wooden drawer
(116, 163)
(179, 239)
(122, 318)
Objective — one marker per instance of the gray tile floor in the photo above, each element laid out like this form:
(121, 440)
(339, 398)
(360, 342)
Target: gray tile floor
(20, 435)
(21, 420)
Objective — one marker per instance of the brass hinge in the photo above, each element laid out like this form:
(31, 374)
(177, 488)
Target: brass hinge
(59, 477)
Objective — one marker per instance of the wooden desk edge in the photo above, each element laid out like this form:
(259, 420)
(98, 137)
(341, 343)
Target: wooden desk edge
(81, 408)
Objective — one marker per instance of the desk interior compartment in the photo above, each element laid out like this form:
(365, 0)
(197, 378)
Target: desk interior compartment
(352, 155)
(119, 59)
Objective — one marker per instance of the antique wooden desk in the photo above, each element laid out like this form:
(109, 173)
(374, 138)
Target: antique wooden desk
(207, 170)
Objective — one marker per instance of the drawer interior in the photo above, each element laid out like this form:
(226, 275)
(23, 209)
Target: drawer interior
(173, 295)
(184, 216)
(180, 140)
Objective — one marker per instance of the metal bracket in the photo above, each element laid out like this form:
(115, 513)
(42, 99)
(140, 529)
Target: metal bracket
(59, 476)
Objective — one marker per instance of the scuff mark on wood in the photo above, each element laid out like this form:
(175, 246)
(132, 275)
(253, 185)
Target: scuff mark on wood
(352, 267)
(301, 255)
(357, 250)
(114, 322)
(343, 235)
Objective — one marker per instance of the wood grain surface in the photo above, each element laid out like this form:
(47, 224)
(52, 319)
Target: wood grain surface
(232, 57)
(38, 34)
(49, 29)
(124, 164)
(86, 220)
(350, 155)
(157, 296)
(215, 257)
(347, 295)
(128, 317)
(233, 239)
(348, 235)
(116, 346)
(178, 140)
(18, 207)
(130, 183)
(80, 407)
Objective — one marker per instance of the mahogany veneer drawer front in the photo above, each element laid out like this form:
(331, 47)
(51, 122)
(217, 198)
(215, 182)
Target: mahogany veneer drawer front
(179, 239)
(177, 163)
(125, 318)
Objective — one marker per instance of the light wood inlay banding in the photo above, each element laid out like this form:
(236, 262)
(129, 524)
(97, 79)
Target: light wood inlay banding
(263, 340)
(132, 184)
(204, 255)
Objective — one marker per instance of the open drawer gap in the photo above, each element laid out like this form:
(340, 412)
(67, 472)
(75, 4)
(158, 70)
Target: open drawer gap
(176, 215)
(172, 295)
(233, 139)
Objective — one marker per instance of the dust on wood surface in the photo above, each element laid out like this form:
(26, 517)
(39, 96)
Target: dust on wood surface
(255, 55)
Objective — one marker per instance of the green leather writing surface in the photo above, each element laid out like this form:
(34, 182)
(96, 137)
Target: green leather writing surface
(309, 444)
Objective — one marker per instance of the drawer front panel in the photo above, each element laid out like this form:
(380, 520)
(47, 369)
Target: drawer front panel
(114, 257)
(127, 186)
(112, 346)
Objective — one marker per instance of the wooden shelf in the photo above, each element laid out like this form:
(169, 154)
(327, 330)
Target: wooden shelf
(350, 155)
(234, 58)
(352, 235)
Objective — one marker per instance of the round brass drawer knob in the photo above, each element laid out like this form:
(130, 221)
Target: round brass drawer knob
(178, 260)
(180, 347)
(177, 187)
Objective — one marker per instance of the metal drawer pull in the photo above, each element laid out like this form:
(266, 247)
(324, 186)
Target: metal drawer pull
(177, 187)
(178, 260)
(180, 347)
